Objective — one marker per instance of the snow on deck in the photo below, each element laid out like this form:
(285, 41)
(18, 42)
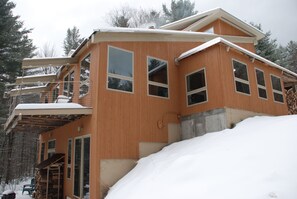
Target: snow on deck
(49, 106)
(255, 160)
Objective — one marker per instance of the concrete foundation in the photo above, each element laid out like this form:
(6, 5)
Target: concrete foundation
(111, 170)
(211, 121)
(174, 133)
(148, 148)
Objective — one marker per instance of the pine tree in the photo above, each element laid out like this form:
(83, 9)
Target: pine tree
(266, 46)
(179, 10)
(72, 40)
(14, 46)
(291, 58)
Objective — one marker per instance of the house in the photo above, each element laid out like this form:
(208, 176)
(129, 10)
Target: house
(125, 93)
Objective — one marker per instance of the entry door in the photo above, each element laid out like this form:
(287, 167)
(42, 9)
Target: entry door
(82, 167)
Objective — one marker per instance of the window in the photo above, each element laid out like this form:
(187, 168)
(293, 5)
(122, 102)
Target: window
(51, 148)
(261, 84)
(68, 84)
(42, 152)
(82, 167)
(69, 158)
(85, 75)
(196, 87)
(277, 89)
(157, 77)
(241, 77)
(56, 92)
(120, 69)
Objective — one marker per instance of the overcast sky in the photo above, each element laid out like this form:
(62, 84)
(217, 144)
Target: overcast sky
(51, 18)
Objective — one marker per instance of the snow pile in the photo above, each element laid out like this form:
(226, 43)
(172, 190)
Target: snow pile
(48, 106)
(255, 160)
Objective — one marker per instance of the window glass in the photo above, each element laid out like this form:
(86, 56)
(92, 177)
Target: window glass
(277, 89)
(69, 157)
(261, 84)
(158, 77)
(196, 81)
(85, 75)
(276, 83)
(51, 148)
(86, 168)
(42, 152)
(120, 62)
(120, 69)
(56, 92)
(77, 167)
(241, 77)
(196, 87)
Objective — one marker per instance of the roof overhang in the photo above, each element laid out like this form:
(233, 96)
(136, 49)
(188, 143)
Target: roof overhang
(48, 62)
(236, 47)
(35, 79)
(28, 90)
(200, 20)
(44, 117)
(157, 35)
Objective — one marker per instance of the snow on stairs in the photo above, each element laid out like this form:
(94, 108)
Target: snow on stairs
(112, 170)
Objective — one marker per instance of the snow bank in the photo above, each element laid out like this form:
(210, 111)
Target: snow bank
(255, 160)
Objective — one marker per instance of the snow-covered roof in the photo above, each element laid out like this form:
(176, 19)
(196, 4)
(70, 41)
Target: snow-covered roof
(200, 20)
(35, 78)
(234, 46)
(48, 106)
(256, 159)
(47, 62)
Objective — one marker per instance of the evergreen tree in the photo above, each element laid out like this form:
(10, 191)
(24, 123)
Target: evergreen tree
(14, 46)
(179, 9)
(291, 57)
(72, 40)
(266, 46)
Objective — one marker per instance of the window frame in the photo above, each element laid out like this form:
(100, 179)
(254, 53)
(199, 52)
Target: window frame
(68, 83)
(121, 77)
(81, 163)
(259, 85)
(157, 83)
(69, 164)
(241, 80)
(51, 150)
(277, 91)
(80, 81)
(205, 88)
(42, 151)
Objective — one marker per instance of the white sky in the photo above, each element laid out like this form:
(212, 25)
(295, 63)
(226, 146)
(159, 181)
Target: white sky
(51, 19)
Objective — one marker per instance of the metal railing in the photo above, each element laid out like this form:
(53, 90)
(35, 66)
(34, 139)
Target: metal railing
(54, 92)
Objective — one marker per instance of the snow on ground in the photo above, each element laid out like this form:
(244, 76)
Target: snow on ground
(255, 160)
(18, 189)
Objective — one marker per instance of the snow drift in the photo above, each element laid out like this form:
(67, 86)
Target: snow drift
(255, 160)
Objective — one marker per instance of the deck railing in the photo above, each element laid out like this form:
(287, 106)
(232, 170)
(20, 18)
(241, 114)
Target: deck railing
(54, 92)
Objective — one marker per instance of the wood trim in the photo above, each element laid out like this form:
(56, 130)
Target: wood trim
(48, 62)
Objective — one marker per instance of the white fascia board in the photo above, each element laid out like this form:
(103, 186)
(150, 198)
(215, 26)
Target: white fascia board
(28, 90)
(234, 46)
(35, 78)
(48, 62)
(180, 23)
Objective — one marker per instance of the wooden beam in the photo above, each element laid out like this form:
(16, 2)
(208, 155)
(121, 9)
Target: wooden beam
(48, 62)
(25, 91)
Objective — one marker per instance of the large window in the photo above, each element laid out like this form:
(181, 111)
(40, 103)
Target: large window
(68, 84)
(157, 77)
(69, 158)
(241, 77)
(277, 89)
(51, 148)
(196, 87)
(85, 75)
(120, 69)
(42, 152)
(261, 84)
(82, 167)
